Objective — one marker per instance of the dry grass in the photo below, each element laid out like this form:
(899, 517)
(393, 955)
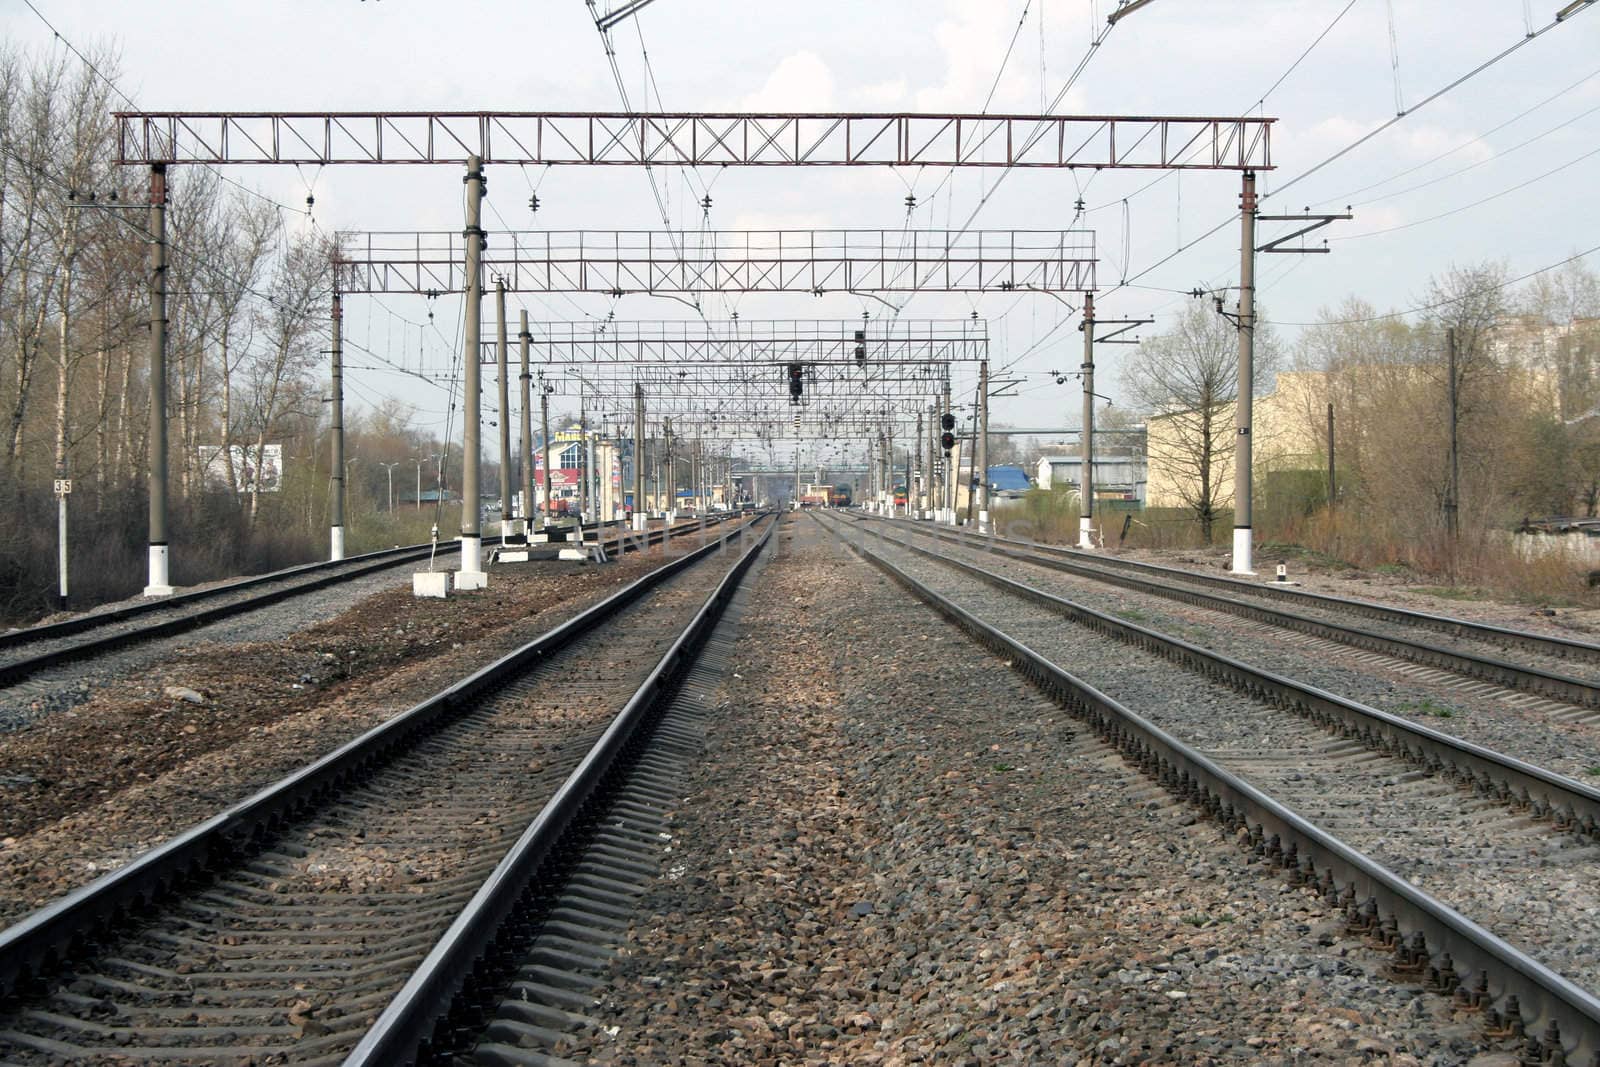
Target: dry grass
(1479, 564)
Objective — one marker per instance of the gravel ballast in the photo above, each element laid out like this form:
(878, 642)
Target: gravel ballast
(1542, 732)
(84, 790)
(898, 852)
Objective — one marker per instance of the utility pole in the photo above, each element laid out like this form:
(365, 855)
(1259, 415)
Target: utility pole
(502, 355)
(982, 472)
(1242, 546)
(640, 515)
(63, 484)
(336, 402)
(471, 575)
(913, 496)
(544, 430)
(159, 583)
(668, 468)
(1086, 475)
(1452, 500)
(525, 455)
(1333, 486)
(888, 468)
(950, 462)
(930, 502)
(583, 464)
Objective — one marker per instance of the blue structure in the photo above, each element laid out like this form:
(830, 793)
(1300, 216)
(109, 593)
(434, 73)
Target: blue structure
(1008, 481)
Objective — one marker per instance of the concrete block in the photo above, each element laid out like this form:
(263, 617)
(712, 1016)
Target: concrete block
(574, 554)
(431, 583)
(469, 580)
(511, 555)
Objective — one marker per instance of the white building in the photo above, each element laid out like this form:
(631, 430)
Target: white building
(1115, 477)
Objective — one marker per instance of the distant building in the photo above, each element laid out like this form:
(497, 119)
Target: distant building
(1115, 477)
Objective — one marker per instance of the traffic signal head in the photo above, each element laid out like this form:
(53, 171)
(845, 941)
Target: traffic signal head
(948, 422)
(947, 440)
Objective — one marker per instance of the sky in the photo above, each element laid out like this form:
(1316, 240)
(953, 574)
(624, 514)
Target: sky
(1501, 167)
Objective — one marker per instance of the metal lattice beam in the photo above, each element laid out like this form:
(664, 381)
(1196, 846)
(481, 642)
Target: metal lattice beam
(619, 262)
(696, 139)
(674, 341)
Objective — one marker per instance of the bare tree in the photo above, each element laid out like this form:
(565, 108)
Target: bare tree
(290, 327)
(1188, 380)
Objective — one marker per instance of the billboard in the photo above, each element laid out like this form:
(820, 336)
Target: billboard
(214, 467)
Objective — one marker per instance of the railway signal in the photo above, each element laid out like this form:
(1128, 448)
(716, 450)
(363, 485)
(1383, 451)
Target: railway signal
(796, 382)
(861, 346)
(947, 440)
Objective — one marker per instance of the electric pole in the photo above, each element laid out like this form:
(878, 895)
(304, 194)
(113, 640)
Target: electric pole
(640, 516)
(1452, 500)
(1086, 475)
(525, 455)
(336, 402)
(502, 357)
(982, 473)
(159, 583)
(1242, 546)
(471, 574)
(544, 430)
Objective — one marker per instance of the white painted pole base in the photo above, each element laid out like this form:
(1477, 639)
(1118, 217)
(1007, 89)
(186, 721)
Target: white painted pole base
(471, 575)
(159, 583)
(336, 542)
(640, 522)
(1086, 533)
(983, 522)
(1242, 563)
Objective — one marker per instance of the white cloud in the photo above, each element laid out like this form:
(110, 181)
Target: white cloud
(800, 82)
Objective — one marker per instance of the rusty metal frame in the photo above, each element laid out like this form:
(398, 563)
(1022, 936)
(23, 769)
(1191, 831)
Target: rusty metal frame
(695, 139)
(739, 342)
(618, 262)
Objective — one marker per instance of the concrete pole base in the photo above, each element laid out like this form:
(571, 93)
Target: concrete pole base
(1242, 563)
(471, 575)
(640, 522)
(159, 585)
(983, 522)
(336, 542)
(1086, 533)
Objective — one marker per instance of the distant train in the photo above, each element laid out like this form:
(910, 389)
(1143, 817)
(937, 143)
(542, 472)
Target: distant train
(818, 496)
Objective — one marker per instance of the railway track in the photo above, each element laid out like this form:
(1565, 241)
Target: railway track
(1548, 669)
(28, 652)
(1443, 851)
(388, 876)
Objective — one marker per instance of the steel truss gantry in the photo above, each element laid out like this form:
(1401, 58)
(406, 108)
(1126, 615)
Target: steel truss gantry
(161, 139)
(916, 342)
(619, 262)
(695, 139)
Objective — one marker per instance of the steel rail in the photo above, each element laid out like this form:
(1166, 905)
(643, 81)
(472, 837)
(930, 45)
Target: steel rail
(1445, 949)
(1546, 644)
(46, 937)
(405, 1032)
(1569, 802)
(1529, 679)
(16, 671)
(93, 620)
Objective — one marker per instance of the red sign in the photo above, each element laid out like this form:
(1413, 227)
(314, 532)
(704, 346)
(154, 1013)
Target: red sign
(560, 477)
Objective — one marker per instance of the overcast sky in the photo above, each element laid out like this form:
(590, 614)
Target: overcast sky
(1175, 57)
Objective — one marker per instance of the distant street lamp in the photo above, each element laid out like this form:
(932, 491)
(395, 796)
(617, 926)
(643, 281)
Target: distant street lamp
(418, 461)
(389, 467)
